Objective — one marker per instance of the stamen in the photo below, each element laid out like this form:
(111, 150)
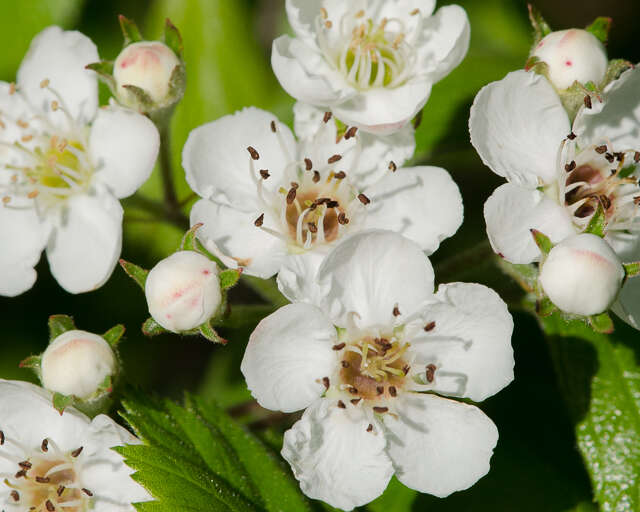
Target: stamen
(587, 102)
(50, 506)
(341, 404)
(392, 166)
(396, 310)
(264, 173)
(431, 370)
(254, 154)
(15, 495)
(273, 126)
(392, 391)
(325, 382)
(333, 159)
(570, 166)
(430, 326)
(316, 177)
(351, 132)
(87, 491)
(258, 222)
(1, 437)
(340, 175)
(355, 401)
(380, 410)
(370, 428)
(291, 195)
(345, 364)
(339, 346)
(363, 199)
(45, 445)
(571, 136)
(308, 164)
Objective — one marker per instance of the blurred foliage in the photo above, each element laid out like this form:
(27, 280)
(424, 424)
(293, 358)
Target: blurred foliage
(536, 465)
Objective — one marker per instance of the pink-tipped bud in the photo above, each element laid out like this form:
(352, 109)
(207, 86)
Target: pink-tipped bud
(571, 55)
(149, 66)
(183, 291)
(77, 363)
(582, 275)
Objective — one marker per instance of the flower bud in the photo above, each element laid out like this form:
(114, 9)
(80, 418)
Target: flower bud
(571, 55)
(148, 66)
(183, 291)
(582, 275)
(77, 363)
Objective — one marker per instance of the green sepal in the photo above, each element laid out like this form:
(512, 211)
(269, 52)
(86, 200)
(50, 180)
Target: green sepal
(189, 239)
(631, 269)
(540, 27)
(138, 274)
(544, 307)
(59, 324)
(104, 70)
(106, 386)
(61, 402)
(143, 100)
(542, 241)
(177, 83)
(114, 335)
(130, 30)
(202, 249)
(600, 28)
(173, 38)
(152, 328)
(207, 330)
(32, 362)
(229, 278)
(601, 323)
(615, 69)
(598, 222)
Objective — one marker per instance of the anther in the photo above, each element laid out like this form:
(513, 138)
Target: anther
(332, 204)
(6, 199)
(431, 370)
(254, 154)
(25, 464)
(380, 410)
(333, 159)
(405, 369)
(12, 88)
(587, 101)
(392, 166)
(340, 175)
(328, 24)
(26, 138)
(396, 310)
(571, 136)
(316, 177)
(414, 12)
(601, 149)
(327, 116)
(291, 195)
(355, 401)
(636, 200)
(308, 164)
(76, 452)
(345, 364)
(326, 382)
(363, 199)
(379, 390)
(570, 166)
(353, 391)
(351, 132)
(393, 391)
(264, 173)
(273, 126)
(606, 202)
(636, 157)
(1, 437)
(339, 346)
(15, 495)
(295, 185)
(43, 479)
(323, 13)
(45, 445)
(258, 222)
(44, 83)
(60, 490)
(609, 157)
(50, 506)
(22, 124)
(370, 428)
(55, 105)
(341, 404)
(87, 491)
(342, 218)
(20, 474)
(430, 326)
(312, 227)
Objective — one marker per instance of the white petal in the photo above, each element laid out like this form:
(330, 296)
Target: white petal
(60, 57)
(470, 344)
(627, 307)
(440, 446)
(617, 118)
(23, 237)
(444, 41)
(85, 246)
(334, 458)
(405, 10)
(288, 354)
(372, 271)
(297, 278)
(235, 235)
(512, 211)
(218, 165)
(304, 74)
(506, 125)
(421, 203)
(124, 146)
(382, 110)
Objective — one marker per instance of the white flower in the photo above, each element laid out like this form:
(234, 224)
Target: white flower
(62, 462)
(183, 291)
(267, 198)
(572, 55)
(372, 62)
(77, 363)
(556, 175)
(63, 165)
(582, 275)
(360, 360)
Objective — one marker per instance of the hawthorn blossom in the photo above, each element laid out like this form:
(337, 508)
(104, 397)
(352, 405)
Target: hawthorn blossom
(372, 62)
(64, 462)
(64, 164)
(372, 360)
(268, 199)
(558, 174)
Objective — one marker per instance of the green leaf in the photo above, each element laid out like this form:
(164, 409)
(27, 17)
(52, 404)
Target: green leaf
(210, 333)
(138, 274)
(631, 269)
(598, 222)
(229, 278)
(32, 362)
(61, 402)
(601, 323)
(172, 38)
(600, 28)
(114, 335)
(540, 27)
(59, 324)
(197, 458)
(542, 241)
(130, 30)
(600, 378)
(152, 328)
(189, 240)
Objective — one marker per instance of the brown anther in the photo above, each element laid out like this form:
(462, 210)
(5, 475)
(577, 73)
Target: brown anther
(254, 154)
(570, 166)
(619, 156)
(332, 204)
(25, 464)
(405, 369)
(1, 437)
(340, 175)
(326, 382)
(379, 389)
(60, 490)
(327, 116)
(605, 201)
(15, 495)
(87, 491)
(339, 346)
(259, 221)
(587, 101)
(601, 149)
(43, 479)
(370, 428)
(295, 185)
(333, 159)
(351, 132)
(312, 227)
(363, 199)
(308, 164)
(291, 195)
(571, 136)
(342, 218)
(26, 138)
(636, 157)
(396, 310)
(328, 24)
(77, 452)
(323, 13)
(341, 404)
(345, 364)
(20, 474)
(45, 445)
(414, 12)
(264, 173)
(636, 200)
(316, 177)
(431, 370)
(380, 410)
(273, 126)
(393, 391)
(392, 166)
(430, 326)
(50, 506)
(609, 157)
(355, 401)
(44, 83)
(353, 391)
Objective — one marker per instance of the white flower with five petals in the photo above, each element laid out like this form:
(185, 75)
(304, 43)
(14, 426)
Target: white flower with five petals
(50, 461)
(64, 164)
(558, 174)
(268, 200)
(372, 361)
(372, 62)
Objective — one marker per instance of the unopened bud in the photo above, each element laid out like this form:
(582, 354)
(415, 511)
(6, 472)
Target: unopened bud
(149, 66)
(77, 363)
(183, 291)
(571, 55)
(582, 275)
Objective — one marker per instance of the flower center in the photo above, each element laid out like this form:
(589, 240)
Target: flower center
(47, 480)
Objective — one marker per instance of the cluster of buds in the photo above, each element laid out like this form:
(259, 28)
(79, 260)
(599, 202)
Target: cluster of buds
(186, 292)
(80, 368)
(147, 76)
